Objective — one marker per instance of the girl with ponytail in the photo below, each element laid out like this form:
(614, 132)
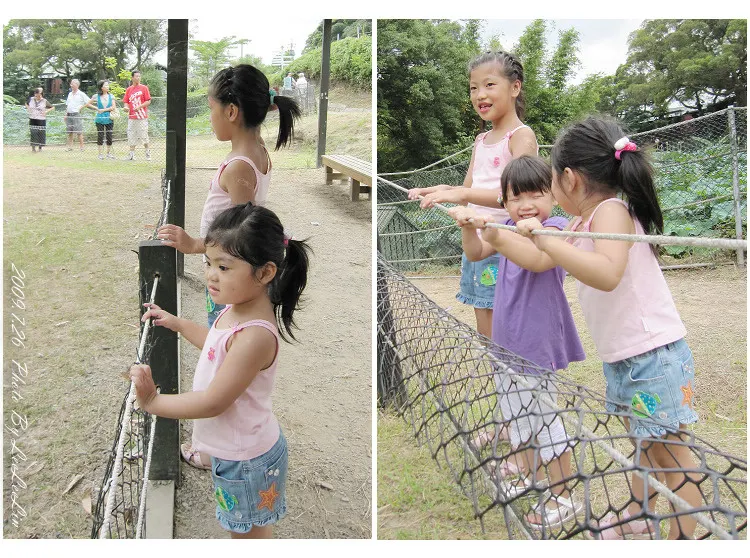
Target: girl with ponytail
(629, 310)
(240, 99)
(259, 273)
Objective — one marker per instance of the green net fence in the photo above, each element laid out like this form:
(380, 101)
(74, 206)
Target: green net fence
(701, 179)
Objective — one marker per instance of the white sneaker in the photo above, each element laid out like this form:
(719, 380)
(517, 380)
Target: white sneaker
(148, 155)
(101, 157)
(131, 157)
(110, 156)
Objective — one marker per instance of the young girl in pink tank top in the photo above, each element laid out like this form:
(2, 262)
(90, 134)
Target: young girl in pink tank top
(495, 85)
(259, 274)
(628, 309)
(240, 99)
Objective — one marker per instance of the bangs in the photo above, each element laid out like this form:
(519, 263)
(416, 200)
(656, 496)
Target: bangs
(526, 174)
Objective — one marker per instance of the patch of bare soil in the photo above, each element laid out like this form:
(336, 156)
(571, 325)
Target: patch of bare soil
(73, 231)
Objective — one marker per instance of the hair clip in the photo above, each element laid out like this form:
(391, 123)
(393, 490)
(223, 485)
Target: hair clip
(624, 144)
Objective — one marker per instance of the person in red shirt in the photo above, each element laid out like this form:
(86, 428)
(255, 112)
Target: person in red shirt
(137, 99)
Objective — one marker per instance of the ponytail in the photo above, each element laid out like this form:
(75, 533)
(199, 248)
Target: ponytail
(588, 148)
(286, 288)
(247, 87)
(288, 112)
(636, 181)
(254, 234)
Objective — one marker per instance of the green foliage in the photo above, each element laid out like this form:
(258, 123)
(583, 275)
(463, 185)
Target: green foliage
(211, 56)
(351, 62)
(423, 102)
(687, 176)
(340, 29)
(696, 63)
(76, 48)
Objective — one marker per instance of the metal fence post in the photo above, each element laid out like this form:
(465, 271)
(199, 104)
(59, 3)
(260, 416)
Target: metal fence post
(736, 184)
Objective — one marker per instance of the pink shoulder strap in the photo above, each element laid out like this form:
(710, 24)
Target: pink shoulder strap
(257, 323)
(514, 130)
(587, 226)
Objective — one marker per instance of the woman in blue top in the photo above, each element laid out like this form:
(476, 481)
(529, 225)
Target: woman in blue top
(106, 108)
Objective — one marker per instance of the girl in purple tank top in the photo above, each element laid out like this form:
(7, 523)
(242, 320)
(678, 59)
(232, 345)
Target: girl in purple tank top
(260, 275)
(628, 309)
(495, 85)
(532, 319)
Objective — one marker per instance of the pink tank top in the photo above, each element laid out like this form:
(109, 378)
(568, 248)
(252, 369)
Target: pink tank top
(248, 428)
(219, 200)
(639, 314)
(489, 162)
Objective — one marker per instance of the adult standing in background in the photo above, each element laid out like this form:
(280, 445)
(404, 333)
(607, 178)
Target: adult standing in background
(137, 99)
(75, 102)
(289, 84)
(106, 108)
(38, 107)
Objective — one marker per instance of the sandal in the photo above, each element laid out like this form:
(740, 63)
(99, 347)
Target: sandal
(554, 511)
(636, 529)
(193, 457)
(502, 473)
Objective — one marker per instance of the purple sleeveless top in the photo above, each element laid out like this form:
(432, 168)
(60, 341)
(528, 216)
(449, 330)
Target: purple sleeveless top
(531, 315)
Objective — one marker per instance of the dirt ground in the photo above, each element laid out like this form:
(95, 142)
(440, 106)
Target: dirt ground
(417, 499)
(72, 229)
(712, 303)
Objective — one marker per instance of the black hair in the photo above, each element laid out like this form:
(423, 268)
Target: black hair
(102, 82)
(511, 68)
(132, 74)
(254, 234)
(588, 148)
(247, 87)
(38, 89)
(527, 173)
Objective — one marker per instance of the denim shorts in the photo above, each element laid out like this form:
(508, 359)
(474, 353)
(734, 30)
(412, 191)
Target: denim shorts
(657, 386)
(212, 309)
(478, 279)
(251, 492)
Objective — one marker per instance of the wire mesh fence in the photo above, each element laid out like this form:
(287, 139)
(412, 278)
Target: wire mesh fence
(701, 179)
(119, 509)
(491, 418)
(204, 150)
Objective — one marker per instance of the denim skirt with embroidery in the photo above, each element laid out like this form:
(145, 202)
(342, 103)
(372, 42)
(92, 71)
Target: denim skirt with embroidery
(657, 386)
(251, 492)
(478, 279)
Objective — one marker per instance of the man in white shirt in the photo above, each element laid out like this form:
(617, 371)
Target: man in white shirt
(75, 102)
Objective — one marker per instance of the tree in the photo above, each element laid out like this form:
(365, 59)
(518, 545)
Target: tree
(211, 55)
(340, 29)
(695, 64)
(423, 98)
(77, 48)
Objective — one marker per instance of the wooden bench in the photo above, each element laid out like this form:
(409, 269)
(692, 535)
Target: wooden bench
(358, 172)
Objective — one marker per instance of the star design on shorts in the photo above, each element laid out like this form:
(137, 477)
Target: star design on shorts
(268, 497)
(687, 394)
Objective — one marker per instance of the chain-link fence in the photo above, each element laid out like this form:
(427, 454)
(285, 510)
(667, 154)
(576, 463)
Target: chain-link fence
(203, 149)
(467, 398)
(701, 179)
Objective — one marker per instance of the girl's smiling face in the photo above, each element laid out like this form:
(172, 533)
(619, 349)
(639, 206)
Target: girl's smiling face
(529, 204)
(492, 94)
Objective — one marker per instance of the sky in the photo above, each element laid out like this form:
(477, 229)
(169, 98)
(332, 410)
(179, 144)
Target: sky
(602, 44)
(265, 37)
